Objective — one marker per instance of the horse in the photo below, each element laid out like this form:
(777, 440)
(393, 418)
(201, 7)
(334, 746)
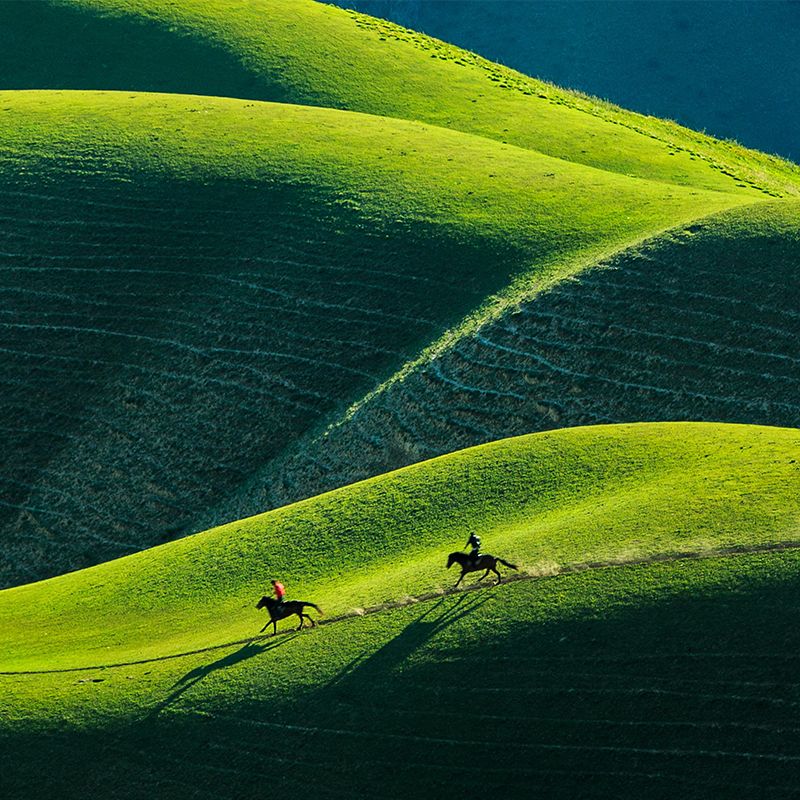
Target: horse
(483, 561)
(288, 608)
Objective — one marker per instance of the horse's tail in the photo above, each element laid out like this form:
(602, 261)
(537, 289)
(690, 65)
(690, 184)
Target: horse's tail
(313, 605)
(506, 564)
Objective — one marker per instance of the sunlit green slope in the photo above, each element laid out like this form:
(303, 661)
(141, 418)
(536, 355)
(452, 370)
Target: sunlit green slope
(656, 680)
(547, 502)
(298, 51)
(190, 283)
(628, 679)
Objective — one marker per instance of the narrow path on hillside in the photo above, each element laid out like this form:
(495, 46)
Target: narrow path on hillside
(434, 595)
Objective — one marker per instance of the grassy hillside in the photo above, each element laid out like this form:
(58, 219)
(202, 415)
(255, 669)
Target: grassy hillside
(665, 675)
(310, 53)
(648, 680)
(547, 502)
(656, 58)
(231, 233)
(196, 287)
(191, 283)
(698, 323)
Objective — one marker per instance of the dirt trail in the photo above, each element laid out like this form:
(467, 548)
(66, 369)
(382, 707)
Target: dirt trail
(434, 595)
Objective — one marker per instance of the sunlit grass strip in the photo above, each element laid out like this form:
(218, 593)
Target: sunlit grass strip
(546, 502)
(658, 675)
(285, 51)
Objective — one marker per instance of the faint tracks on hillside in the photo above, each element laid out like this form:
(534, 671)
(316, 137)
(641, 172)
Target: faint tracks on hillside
(735, 550)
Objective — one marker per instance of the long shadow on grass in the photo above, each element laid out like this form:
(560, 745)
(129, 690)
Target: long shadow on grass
(194, 676)
(657, 681)
(382, 662)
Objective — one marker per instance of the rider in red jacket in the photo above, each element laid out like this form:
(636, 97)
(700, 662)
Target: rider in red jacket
(280, 591)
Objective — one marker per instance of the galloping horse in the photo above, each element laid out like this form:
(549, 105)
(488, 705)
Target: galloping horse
(288, 608)
(484, 561)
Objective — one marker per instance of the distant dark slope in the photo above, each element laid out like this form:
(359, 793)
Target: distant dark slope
(657, 58)
(161, 337)
(298, 51)
(702, 323)
(145, 377)
(91, 47)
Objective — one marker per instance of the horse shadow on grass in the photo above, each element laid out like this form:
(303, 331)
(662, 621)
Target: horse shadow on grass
(249, 650)
(377, 668)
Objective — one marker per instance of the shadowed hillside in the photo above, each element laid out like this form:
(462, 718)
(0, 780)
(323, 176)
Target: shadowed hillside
(176, 312)
(195, 288)
(672, 679)
(728, 67)
(702, 323)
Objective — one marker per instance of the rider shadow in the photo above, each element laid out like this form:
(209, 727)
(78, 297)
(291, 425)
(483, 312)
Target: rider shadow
(194, 676)
(397, 650)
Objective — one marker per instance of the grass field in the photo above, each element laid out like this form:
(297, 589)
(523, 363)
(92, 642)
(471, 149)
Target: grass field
(651, 680)
(665, 673)
(278, 261)
(250, 252)
(313, 54)
(213, 254)
(551, 501)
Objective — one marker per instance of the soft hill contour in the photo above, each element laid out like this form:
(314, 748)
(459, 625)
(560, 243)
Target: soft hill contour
(300, 51)
(703, 641)
(253, 252)
(699, 323)
(548, 502)
(198, 283)
(192, 283)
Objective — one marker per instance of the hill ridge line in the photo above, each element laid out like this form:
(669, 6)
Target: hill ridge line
(722, 552)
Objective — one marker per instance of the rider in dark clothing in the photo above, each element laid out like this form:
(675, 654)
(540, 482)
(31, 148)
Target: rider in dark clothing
(474, 542)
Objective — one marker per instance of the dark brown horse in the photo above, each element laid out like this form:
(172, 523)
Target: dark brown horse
(288, 608)
(484, 561)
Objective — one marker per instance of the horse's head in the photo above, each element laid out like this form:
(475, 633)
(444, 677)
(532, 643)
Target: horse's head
(452, 559)
(263, 602)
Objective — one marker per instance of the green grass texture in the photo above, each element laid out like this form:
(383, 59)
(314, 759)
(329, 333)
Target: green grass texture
(226, 225)
(387, 170)
(281, 208)
(622, 660)
(683, 326)
(280, 261)
(309, 53)
(546, 502)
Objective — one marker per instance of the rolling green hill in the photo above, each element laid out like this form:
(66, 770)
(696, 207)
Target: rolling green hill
(298, 51)
(697, 323)
(552, 501)
(149, 662)
(179, 309)
(196, 287)
(250, 252)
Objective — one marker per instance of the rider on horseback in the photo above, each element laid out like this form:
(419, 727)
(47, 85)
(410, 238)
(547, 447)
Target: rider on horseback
(474, 542)
(280, 591)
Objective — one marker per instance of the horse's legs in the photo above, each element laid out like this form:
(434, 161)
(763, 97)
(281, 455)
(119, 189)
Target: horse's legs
(485, 574)
(499, 576)
(301, 615)
(463, 573)
(270, 621)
